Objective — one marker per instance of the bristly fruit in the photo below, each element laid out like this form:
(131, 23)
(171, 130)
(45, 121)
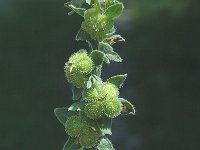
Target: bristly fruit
(100, 92)
(92, 94)
(77, 56)
(93, 110)
(74, 126)
(109, 91)
(78, 67)
(75, 77)
(89, 137)
(112, 108)
(97, 24)
(81, 62)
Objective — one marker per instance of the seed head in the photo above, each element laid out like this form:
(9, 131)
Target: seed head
(112, 108)
(74, 126)
(109, 91)
(94, 110)
(89, 137)
(97, 24)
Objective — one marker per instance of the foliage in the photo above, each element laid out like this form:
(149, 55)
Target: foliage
(88, 121)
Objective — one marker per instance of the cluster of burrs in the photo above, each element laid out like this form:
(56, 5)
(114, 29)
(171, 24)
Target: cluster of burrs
(89, 120)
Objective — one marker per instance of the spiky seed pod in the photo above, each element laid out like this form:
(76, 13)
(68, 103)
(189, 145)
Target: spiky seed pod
(75, 77)
(90, 122)
(93, 110)
(93, 124)
(109, 91)
(78, 67)
(92, 94)
(97, 24)
(74, 126)
(89, 137)
(77, 56)
(112, 108)
(85, 118)
(81, 61)
(85, 65)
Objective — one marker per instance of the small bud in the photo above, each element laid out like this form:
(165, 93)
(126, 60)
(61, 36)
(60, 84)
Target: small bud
(112, 108)
(93, 110)
(74, 126)
(89, 137)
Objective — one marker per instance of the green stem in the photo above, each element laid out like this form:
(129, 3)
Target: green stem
(90, 45)
(98, 70)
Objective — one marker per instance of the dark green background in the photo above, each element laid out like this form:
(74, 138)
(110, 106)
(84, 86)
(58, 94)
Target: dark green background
(161, 56)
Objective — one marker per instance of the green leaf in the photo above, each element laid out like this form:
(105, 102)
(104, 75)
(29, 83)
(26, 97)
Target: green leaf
(71, 144)
(105, 144)
(98, 70)
(128, 108)
(77, 3)
(114, 39)
(96, 79)
(77, 92)
(108, 50)
(78, 106)
(106, 60)
(111, 32)
(88, 1)
(79, 11)
(89, 82)
(105, 47)
(93, 79)
(117, 80)
(67, 4)
(97, 57)
(114, 10)
(89, 45)
(63, 114)
(105, 125)
(114, 56)
(82, 35)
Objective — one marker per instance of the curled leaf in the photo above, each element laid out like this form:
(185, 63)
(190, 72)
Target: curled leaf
(114, 39)
(78, 106)
(105, 125)
(105, 144)
(114, 56)
(79, 11)
(77, 92)
(82, 35)
(127, 107)
(117, 80)
(72, 144)
(63, 114)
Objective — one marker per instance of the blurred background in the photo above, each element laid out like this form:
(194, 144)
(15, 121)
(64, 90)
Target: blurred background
(161, 56)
